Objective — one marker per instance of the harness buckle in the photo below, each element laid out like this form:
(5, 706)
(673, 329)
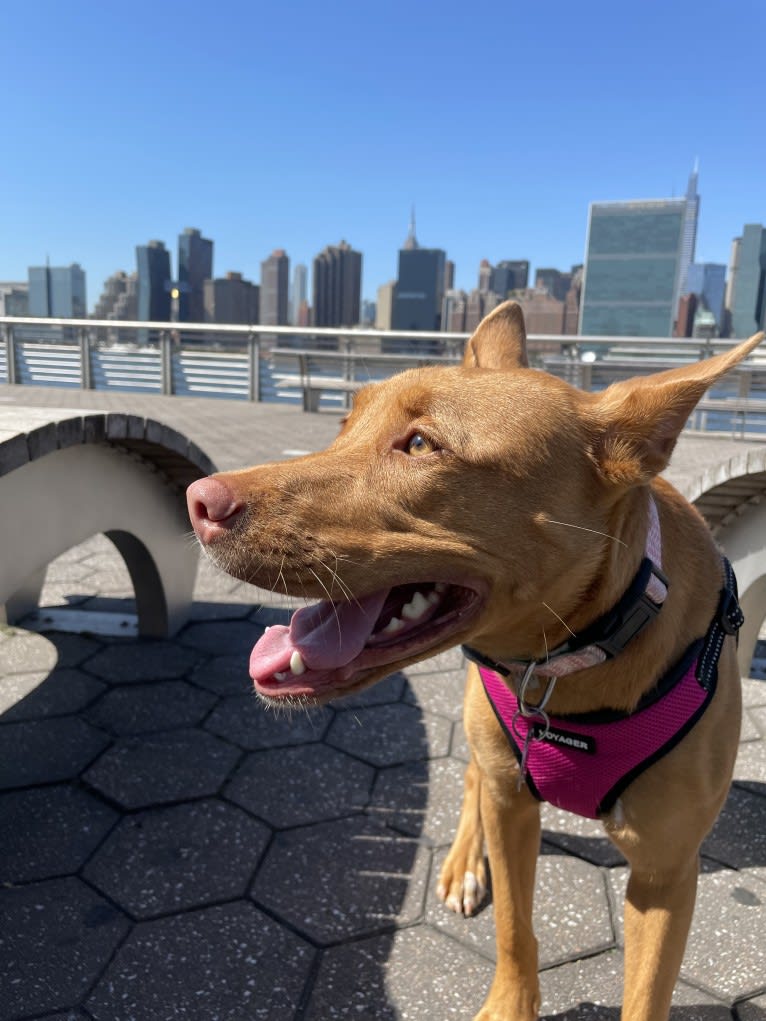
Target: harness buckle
(626, 626)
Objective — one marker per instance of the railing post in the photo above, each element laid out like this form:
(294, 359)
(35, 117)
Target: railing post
(253, 367)
(166, 363)
(10, 354)
(86, 381)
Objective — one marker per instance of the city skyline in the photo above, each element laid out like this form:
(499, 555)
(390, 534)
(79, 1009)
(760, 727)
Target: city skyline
(305, 126)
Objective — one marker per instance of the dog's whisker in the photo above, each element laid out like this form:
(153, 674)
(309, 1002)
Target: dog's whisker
(582, 528)
(559, 619)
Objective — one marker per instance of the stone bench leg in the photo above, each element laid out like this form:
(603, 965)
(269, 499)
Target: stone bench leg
(65, 497)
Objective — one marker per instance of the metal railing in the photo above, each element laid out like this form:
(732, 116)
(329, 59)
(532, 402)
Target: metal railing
(254, 362)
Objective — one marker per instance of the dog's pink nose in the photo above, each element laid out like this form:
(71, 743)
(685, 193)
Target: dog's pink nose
(213, 507)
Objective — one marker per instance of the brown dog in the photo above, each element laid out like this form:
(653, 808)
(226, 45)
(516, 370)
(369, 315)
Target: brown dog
(496, 506)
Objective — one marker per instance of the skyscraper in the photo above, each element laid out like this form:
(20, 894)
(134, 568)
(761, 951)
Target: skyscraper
(708, 281)
(299, 295)
(747, 291)
(195, 266)
(337, 286)
(154, 282)
(419, 286)
(510, 275)
(231, 300)
(689, 232)
(57, 292)
(274, 288)
(632, 267)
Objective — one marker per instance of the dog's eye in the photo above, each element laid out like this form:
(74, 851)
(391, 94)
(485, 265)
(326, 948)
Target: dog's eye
(417, 445)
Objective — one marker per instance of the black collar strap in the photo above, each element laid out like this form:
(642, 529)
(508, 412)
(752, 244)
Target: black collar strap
(602, 640)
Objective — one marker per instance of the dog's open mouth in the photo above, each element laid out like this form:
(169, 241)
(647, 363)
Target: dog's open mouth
(330, 647)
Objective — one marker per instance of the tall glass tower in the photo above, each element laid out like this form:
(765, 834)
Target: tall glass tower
(195, 266)
(633, 268)
(419, 286)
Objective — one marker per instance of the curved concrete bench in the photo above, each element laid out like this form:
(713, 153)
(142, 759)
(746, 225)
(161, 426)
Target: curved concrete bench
(68, 475)
(726, 481)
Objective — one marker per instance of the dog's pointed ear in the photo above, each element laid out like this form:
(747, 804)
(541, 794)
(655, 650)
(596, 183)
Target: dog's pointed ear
(638, 421)
(500, 340)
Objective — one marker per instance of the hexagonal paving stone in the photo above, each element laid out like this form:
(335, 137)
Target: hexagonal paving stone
(591, 990)
(183, 764)
(752, 1010)
(223, 675)
(126, 662)
(248, 722)
(31, 696)
(228, 962)
(54, 941)
(295, 786)
(23, 652)
(417, 973)
(584, 837)
(342, 879)
(421, 798)
(738, 838)
(388, 735)
(440, 693)
(49, 831)
(726, 951)
(45, 751)
(390, 689)
(571, 915)
(219, 636)
(171, 859)
(143, 708)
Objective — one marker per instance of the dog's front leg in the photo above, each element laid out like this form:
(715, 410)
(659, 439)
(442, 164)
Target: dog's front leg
(511, 821)
(658, 913)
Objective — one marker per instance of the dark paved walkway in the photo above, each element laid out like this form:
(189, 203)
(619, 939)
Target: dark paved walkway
(171, 850)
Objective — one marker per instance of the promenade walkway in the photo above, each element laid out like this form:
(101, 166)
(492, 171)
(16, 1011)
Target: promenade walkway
(169, 849)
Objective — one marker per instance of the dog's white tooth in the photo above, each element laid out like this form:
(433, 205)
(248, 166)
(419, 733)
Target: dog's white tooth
(297, 666)
(440, 587)
(281, 676)
(433, 598)
(393, 626)
(416, 607)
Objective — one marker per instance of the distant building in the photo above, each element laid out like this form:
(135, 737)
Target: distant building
(154, 283)
(119, 300)
(384, 307)
(510, 275)
(632, 267)
(337, 286)
(231, 299)
(707, 280)
(195, 266)
(687, 307)
(554, 281)
(485, 276)
(14, 299)
(419, 285)
(572, 302)
(299, 293)
(746, 296)
(275, 273)
(688, 232)
(454, 306)
(58, 292)
(449, 275)
(542, 312)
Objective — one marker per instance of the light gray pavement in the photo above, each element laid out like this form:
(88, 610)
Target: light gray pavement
(171, 850)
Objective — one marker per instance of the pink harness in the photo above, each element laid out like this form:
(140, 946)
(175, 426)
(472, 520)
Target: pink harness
(583, 762)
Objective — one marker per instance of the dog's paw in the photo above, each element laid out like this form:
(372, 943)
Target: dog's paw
(464, 891)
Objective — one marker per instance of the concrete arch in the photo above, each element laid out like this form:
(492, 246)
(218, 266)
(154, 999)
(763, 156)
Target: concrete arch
(726, 481)
(71, 478)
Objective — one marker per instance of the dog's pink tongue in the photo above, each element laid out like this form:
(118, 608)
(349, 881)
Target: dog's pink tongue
(327, 635)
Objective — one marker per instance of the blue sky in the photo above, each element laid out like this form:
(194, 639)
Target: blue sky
(294, 125)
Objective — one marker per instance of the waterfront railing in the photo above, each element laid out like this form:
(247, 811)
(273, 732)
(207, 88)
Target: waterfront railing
(260, 362)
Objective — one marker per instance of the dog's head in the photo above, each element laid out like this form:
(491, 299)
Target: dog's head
(453, 506)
